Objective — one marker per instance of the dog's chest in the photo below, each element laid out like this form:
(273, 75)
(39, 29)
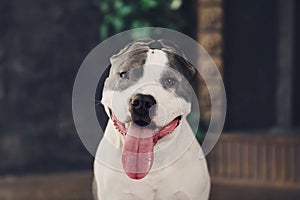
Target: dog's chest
(177, 181)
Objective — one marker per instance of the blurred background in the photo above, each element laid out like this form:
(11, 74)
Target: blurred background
(254, 43)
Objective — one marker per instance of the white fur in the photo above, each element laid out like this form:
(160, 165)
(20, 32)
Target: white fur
(177, 171)
(157, 57)
(185, 178)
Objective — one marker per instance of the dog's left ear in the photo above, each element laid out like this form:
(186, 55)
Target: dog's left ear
(181, 64)
(177, 59)
(190, 69)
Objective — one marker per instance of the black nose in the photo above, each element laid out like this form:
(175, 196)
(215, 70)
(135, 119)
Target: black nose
(140, 105)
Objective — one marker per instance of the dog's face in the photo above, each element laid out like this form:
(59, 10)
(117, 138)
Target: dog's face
(146, 95)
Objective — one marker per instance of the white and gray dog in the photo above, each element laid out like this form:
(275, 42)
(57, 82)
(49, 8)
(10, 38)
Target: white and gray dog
(147, 96)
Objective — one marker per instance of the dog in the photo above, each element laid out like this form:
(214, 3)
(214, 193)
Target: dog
(148, 150)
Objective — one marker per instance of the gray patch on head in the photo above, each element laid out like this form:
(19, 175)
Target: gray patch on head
(129, 62)
(180, 64)
(180, 86)
(181, 70)
(117, 83)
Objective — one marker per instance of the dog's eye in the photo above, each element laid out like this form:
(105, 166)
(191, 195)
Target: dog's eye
(123, 75)
(169, 81)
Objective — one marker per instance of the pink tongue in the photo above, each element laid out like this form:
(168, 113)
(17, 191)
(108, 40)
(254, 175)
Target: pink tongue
(137, 154)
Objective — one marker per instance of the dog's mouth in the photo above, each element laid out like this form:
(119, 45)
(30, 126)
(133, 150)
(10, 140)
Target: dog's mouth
(139, 142)
(157, 132)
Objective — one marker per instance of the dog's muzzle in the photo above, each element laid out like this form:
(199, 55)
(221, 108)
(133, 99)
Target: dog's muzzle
(140, 106)
(141, 134)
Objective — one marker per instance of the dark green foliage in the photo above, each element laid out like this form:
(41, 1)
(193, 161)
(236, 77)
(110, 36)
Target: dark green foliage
(121, 15)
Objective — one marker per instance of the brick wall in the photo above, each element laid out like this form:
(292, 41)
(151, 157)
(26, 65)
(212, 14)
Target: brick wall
(210, 25)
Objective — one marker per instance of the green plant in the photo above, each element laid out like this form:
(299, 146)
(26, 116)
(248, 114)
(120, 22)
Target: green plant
(120, 15)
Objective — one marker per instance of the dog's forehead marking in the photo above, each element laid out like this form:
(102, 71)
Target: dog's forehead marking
(155, 63)
(156, 57)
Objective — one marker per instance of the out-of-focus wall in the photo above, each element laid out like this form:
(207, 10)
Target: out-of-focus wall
(42, 44)
(210, 28)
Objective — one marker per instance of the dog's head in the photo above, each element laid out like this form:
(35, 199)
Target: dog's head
(146, 95)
